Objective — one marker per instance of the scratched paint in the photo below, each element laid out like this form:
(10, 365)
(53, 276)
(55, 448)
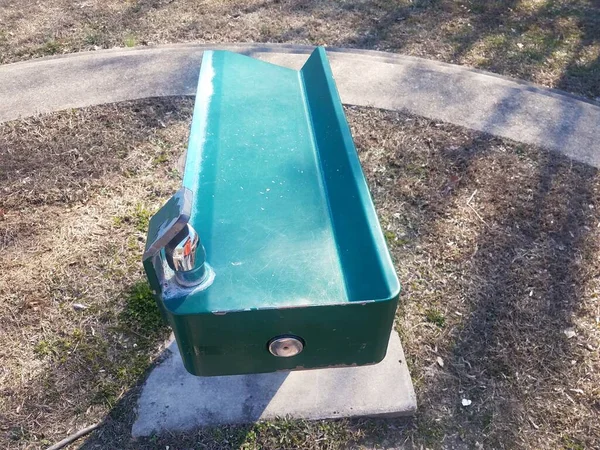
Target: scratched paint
(198, 130)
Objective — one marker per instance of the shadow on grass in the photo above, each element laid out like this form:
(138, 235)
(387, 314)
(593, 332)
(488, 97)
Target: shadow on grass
(529, 282)
(507, 282)
(493, 289)
(490, 291)
(553, 42)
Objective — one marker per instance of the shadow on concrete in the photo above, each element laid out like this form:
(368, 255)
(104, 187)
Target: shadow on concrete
(165, 404)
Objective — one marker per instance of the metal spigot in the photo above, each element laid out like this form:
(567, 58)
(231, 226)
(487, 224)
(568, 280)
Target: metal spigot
(186, 257)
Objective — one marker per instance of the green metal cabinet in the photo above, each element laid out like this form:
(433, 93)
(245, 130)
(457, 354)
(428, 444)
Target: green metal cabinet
(271, 256)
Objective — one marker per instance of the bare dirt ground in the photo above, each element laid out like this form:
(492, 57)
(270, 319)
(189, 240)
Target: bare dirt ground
(555, 43)
(496, 245)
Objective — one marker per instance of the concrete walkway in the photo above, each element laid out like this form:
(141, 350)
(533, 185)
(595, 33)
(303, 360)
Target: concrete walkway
(473, 99)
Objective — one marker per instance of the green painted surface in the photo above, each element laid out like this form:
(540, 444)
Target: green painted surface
(260, 205)
(282, 207)
(336, 335)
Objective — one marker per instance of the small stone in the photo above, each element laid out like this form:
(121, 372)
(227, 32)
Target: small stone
(466, 402)
(569, 333)
(79, 306)
(440, 361)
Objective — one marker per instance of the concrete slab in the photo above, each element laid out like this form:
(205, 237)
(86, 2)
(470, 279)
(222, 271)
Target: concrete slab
(455, 94)
(174, 400)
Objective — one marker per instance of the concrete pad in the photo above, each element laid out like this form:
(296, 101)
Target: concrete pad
(174, 400)
(474, 99)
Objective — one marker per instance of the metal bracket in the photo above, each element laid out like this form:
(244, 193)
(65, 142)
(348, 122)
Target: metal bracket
(169, 229)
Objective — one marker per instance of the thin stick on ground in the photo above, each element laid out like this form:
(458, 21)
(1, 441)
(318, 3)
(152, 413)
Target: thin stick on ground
(473, 209)
(72, 438)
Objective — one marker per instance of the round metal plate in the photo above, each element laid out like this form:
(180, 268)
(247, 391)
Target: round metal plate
(285, 346)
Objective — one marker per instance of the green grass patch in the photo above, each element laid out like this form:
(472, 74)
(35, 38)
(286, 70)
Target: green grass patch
(435, 317)
(429, 431)
(130, 41)
(139, 217)
(93, 38)
(161, 158)
(54, 348)
(51, 47)
(289, 433)
(572, 444)
(141, 312)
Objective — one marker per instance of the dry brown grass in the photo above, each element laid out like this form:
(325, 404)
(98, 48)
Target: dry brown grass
(77, 190)
(496, 245)
(551, 42)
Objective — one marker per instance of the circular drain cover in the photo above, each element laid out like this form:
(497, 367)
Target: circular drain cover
(285, 346)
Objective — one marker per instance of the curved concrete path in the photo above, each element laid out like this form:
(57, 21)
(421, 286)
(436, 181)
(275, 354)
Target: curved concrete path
(470, 98)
